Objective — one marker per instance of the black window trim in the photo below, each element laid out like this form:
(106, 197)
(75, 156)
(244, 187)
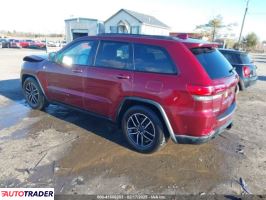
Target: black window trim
(132, 55)
(113, 68)
(164, 50)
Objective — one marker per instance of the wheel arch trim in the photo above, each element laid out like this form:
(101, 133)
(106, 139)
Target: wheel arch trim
(158, 106)
(36, 78)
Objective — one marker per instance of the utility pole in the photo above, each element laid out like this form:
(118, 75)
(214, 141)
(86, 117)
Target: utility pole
(243, 22)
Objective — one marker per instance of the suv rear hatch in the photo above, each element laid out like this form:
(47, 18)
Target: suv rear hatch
(243, 60)
(222, 92)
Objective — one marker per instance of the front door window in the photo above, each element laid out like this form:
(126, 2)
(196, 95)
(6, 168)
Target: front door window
(78, 54)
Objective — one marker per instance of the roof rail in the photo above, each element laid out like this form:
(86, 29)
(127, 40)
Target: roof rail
(161, 37)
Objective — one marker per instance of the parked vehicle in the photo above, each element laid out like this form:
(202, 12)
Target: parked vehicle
(4, 42)
(25, 43)
(55, 44)
(154, 87)
(51, 44)
(37, 45)
(14, 43)
(63, 43)
(243, 65)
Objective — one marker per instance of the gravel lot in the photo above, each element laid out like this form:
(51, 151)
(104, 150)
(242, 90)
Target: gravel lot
(77, 153)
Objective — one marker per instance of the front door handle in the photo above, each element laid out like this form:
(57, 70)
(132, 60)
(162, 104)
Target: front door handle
(77, 70)
(121, 76)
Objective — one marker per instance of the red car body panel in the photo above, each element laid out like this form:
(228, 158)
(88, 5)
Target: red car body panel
(102, 90)
(24, 44)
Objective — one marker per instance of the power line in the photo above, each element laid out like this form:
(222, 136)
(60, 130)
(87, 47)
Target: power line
(257, 13)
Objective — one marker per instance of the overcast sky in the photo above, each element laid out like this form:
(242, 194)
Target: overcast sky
(47, 16)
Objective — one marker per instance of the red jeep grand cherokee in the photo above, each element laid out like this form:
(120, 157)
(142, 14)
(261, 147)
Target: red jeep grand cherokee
(154, 87)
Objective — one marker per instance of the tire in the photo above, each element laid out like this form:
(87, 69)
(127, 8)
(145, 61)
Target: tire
(241, 85)
(237, 88)
(33, 94)
(143, 129)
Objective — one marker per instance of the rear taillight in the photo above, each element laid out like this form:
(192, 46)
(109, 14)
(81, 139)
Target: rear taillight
(246, 71)
(206, 93)
(200, 90)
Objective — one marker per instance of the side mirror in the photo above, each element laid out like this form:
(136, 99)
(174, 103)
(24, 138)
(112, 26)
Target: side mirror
(52, 56)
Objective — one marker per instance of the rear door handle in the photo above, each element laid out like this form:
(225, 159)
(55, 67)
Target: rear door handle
(121, 76)
(77, 70)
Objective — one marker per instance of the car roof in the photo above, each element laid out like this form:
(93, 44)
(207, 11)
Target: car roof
(189, 42)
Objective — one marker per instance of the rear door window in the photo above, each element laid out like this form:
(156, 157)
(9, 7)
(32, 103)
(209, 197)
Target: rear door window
(152, 59)
(115, 55)
(215, 64)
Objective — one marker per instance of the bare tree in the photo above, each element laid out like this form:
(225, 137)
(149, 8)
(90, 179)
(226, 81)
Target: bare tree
(251, 40)
(212, 27)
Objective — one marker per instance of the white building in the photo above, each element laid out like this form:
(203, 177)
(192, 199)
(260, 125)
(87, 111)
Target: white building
(127, 21)
(78, 27)
(124, 21)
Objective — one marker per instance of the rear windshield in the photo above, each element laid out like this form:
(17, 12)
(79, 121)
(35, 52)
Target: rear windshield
(237, 58)
(214, 62)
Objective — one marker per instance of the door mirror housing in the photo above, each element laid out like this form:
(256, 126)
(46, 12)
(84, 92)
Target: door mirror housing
(52, 56)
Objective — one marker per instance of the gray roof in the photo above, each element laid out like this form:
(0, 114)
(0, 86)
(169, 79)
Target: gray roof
(143, 18)
(80, 18)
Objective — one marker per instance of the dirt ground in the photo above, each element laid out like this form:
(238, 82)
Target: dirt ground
(76, 153)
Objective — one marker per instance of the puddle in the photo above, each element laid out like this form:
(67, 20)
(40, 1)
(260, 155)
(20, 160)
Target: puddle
(186, 168)
(12, 114)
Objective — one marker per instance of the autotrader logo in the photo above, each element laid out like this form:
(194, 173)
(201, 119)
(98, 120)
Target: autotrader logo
(27, 193)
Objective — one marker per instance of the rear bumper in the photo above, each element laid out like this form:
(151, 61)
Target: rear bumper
(250, 81)
(186, 139)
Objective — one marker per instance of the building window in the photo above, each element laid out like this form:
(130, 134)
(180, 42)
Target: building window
(135, 30)
(123, 26)
(122, 29)
(113, 29)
